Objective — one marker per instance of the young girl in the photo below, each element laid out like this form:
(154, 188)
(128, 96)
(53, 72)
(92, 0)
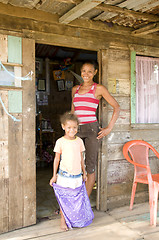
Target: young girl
(70, 192)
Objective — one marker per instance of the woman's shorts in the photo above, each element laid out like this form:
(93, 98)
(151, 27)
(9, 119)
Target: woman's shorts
(89, 132)
(65, 179)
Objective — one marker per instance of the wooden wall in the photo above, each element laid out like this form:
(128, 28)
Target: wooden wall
(119, 171)
(17, 138)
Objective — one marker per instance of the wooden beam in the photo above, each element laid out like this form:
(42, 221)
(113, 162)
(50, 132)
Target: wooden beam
(150, 28)
(79, 10)
(130, 13)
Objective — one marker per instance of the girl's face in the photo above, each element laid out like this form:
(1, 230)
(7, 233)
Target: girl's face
(88, 72)
(71, 128)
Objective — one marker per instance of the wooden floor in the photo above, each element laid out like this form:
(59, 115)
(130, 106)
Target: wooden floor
(119, 224)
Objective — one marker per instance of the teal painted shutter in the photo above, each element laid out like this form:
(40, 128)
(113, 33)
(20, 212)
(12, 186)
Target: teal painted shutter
(14, 49)
(15, 101)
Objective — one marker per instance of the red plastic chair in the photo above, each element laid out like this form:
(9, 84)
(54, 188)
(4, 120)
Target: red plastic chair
(137, 153)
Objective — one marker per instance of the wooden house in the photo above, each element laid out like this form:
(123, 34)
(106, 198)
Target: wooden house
(117, 32)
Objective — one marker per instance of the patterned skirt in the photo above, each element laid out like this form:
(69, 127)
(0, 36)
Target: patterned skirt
(75, 205)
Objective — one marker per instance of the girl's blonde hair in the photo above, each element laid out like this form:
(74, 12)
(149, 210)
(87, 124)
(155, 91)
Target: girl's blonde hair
(68, 116)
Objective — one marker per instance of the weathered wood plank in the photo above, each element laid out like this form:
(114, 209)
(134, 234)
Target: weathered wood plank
(121, 54)
(122, 171)
(3, 48)
(119, 171)
(119, 63)
(121, 10)
(124, 118)
(4, 189)
(115, 151)
(29, 163)
(15, 174)
(79, 10)
(145, 50)
(18, 74)
(4, 209)
(4, 168)
(26, 27)
(26, 13)
(99, 56)
(151, 28)
(124, 136)
(104, 158)
(123, 200)
(115, 190)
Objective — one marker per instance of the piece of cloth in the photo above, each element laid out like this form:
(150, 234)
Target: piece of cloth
(89, 132)
(86, 105)
(75, 205)
(65, 179)
(71, 154)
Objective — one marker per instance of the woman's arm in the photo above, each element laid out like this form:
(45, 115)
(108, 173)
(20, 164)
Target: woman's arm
(55, 168)
(102, 91)
(73, 93)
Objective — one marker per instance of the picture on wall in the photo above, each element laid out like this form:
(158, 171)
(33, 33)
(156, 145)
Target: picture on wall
(38, 65)
(60, 85)
(41, 85)
(58, 75)
(68, 85)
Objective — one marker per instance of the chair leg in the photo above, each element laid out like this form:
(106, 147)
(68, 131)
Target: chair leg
(153, 204)
(133, 194)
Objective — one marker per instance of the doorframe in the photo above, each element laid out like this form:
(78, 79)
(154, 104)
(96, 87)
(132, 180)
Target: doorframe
(102, 58)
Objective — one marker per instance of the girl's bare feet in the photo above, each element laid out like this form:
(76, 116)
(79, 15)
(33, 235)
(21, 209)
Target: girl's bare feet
(63, 223)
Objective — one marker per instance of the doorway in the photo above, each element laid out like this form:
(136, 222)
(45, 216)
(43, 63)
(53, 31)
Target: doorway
(57, 71)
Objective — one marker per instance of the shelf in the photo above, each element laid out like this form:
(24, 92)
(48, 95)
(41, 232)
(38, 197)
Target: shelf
(44, 134)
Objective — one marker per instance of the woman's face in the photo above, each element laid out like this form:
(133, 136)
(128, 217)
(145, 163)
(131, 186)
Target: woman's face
(88, 72)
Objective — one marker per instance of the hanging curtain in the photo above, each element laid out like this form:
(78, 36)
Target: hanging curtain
(147, 90)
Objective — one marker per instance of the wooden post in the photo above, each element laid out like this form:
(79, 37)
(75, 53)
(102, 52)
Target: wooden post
(104, 159)
(103, 120)
(29, 163)
(99, 119)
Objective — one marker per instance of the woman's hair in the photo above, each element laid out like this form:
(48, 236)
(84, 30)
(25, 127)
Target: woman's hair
(68, 116)
(91, 62)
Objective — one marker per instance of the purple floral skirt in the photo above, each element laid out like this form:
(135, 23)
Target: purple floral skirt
(75, 205)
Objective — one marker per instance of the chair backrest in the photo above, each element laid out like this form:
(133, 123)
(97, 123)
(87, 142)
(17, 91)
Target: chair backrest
(137, 153)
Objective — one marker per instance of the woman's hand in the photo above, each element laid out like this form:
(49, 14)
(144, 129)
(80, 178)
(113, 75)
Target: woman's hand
(104, 132)
(84, 177)
(53, 180)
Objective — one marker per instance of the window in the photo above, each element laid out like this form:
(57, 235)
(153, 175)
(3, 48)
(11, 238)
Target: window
(144, 89)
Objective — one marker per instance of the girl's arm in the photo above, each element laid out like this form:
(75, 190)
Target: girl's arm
(103, 92)
(55, 168)
(83, 168)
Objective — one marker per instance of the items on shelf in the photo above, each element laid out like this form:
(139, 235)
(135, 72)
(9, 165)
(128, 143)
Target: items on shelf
(45, 139)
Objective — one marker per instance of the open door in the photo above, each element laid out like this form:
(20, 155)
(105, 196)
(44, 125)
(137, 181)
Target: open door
(17, 133)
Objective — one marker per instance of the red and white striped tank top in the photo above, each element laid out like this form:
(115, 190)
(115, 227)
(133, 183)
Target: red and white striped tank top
(86, 105)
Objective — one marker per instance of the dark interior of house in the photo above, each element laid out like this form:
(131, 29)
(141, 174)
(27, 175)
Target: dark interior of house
(57, 71)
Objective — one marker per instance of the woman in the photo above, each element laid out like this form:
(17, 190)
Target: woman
(85, 100)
